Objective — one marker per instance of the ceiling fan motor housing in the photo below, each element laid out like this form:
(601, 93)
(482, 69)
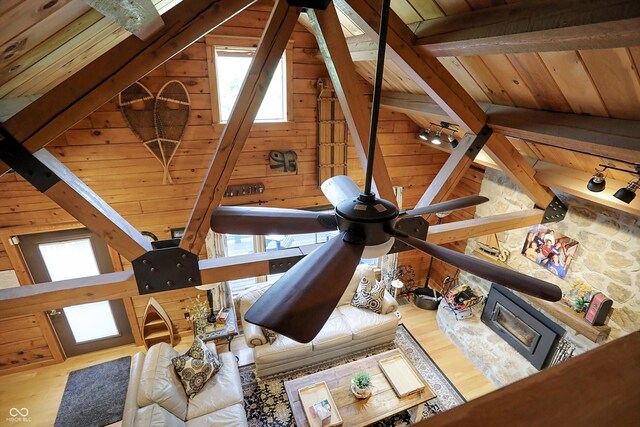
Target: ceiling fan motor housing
(366, 220)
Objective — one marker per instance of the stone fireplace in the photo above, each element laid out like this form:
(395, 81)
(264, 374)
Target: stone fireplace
(524, 328)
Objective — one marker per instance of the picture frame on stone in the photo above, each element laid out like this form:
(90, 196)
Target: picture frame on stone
(550, 249)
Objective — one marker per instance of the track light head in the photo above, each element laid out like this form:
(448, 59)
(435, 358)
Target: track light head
(628, 193)
(436, 140)
(453, 142)
(597, 183)
(424, 135)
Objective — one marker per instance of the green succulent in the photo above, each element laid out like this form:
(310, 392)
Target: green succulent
(361, 380)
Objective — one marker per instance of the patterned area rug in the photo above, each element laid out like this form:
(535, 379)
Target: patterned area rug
(266, 403)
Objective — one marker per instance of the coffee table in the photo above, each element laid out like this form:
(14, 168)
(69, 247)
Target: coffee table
(382, 403)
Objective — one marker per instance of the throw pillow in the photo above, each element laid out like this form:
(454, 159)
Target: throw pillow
(270, 335)
(196, 367)
(369, 295)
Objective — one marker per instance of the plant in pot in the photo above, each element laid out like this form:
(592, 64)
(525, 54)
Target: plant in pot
(361, 385)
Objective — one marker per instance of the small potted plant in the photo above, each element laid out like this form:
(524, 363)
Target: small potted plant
(361, 385)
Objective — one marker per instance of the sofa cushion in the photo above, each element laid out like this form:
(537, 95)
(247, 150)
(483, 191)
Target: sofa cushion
(282, 349)
(333, 333)
(156, 416)
(363, 270)
(249, 297)
(231, 416)
(223, 390)
(369, 295)
(159, 382)
(196, 367)
(364, 323)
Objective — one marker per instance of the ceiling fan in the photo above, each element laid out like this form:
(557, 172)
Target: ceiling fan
(300, 302)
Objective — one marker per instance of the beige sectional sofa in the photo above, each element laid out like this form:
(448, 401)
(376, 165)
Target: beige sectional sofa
(155, 396)
(348, 329)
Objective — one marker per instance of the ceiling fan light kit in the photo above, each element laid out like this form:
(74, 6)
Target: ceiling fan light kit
(301, 301)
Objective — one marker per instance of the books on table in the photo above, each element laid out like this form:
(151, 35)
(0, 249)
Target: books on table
(318, 405)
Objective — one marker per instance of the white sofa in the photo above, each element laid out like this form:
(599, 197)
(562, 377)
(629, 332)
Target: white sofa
(155, 396)
(348, 329)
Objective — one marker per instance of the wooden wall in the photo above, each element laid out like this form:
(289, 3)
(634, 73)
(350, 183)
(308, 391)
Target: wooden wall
(22, 342)
(105, 154)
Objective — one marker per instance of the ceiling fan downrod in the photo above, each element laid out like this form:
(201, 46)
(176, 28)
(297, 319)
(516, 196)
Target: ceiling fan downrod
(377, 89)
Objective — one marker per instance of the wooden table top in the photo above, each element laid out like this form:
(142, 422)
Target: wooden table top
(382, 403)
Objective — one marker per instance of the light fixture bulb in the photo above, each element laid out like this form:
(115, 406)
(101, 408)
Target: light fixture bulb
(597, 183)
(424, 135)
(436, 140)
(628, 193)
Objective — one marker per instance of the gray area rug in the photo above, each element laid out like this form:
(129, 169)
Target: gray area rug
(95, 396)
(266, 403)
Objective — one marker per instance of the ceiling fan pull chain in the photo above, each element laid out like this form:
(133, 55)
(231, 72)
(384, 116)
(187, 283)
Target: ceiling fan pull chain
(377, 89)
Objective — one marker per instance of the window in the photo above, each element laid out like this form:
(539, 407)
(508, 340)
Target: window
(241, 245)
(244, 245)
(229, 59)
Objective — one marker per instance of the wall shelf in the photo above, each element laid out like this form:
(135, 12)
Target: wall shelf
(156, 325)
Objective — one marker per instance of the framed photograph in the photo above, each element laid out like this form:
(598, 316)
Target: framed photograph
(550, 249)
(177, 233)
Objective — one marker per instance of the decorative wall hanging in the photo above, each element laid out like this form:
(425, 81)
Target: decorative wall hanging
(171, 113)
(158, 122)
(550, 249)
(332, 134)
(284, 161)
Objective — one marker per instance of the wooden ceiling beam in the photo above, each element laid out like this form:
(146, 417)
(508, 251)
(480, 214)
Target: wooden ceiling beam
(270, 49)
(511, 162)
(600, 136)
(75, 98)
(463, 230)
(451, 172)
(139, 17)
(426, 71)
(46, 296)
(348, 88)
(606, 377)
(533, 26)
(49, 176)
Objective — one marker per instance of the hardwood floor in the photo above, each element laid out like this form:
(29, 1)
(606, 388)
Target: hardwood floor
(40, 390)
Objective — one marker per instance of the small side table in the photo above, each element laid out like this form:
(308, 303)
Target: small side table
(214, 333)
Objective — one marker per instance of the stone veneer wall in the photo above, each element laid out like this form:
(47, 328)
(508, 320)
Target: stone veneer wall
(607, 258)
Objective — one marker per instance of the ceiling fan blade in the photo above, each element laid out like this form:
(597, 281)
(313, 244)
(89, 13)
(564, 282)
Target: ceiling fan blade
(300, 302)
(450, 205)
(264, 221)
(502, 276)
(339, 188)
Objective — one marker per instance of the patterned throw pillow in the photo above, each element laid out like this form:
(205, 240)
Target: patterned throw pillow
(270, 335)
(196, 367)
(369, 295)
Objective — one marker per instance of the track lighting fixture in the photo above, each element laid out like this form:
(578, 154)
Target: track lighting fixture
(436, 139)
(625, 194)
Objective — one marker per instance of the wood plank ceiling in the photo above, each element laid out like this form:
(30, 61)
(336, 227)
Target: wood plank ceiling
(597, 82)
(43, 42)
